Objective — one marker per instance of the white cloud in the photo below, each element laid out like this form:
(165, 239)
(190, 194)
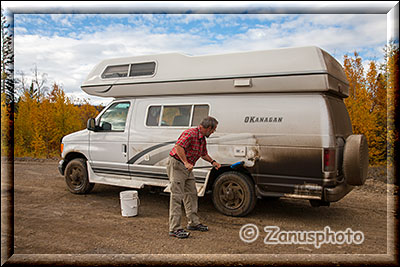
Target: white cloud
(78, 97)
(69, 59)
(20, 30)
(335, 33)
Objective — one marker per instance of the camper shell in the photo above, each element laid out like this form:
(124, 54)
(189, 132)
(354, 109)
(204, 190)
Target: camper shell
(305, 69)
(284, 130)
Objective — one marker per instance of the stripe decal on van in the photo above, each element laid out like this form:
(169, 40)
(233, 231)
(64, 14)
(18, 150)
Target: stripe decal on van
(144, 152)
(152, 175)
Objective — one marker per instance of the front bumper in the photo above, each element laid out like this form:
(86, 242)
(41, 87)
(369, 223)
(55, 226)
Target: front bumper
(61, 167)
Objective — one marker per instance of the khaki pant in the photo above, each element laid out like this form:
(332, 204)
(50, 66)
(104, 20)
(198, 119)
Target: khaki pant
(183, 188)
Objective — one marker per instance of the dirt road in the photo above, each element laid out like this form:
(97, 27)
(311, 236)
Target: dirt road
(51, 220)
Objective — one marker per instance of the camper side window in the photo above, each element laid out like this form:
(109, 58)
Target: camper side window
(138, 69)
(114, 118)
(115, 71)
(176, 116)
(142, 69)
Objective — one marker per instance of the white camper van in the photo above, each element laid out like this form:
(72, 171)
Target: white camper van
(281, 117)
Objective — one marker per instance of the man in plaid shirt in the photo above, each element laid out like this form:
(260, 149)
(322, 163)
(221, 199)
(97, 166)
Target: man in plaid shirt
(190, 146)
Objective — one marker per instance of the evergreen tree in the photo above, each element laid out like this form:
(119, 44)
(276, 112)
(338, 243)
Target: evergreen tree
(7, 60)
(7, 88)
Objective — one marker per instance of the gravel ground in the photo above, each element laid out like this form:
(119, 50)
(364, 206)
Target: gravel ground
(51, 224)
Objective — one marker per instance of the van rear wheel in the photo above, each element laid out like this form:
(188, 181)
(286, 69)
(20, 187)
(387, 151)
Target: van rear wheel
(76, 177)
(233, 194)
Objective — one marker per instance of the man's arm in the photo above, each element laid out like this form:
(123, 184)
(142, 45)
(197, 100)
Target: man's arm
(213, 162)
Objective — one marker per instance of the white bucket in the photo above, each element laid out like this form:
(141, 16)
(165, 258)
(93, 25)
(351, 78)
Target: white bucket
(129, 203)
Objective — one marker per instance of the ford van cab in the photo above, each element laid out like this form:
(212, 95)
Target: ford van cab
(284, 130)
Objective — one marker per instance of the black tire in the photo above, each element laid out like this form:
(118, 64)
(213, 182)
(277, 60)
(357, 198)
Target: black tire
(234, 194)
(76, 177)
(318, 203)
(355, 160)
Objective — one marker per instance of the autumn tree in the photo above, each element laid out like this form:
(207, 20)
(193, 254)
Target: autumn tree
(32, 116)
(5, 125)
(372, 99)
(360, 102)
(86, 111)
(376, 87)
(65, 116)
(25, 123)
(41, 121)
(391, 66)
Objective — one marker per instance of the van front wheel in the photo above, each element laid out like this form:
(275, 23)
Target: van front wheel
(76, 177)
(233, 194)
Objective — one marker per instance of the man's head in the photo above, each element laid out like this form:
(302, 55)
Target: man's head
(208, 125)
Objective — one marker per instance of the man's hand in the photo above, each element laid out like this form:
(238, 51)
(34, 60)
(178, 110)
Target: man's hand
(188, 166)
(181, 154)
(216, 165)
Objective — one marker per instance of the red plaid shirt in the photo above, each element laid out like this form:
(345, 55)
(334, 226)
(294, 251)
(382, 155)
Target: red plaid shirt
(194, 144)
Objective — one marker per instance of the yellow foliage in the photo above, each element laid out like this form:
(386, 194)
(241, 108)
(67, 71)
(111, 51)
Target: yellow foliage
(24, 125)
(40, 123)
(368, 104)
(393, 97)
(5, 126)
(38, 145)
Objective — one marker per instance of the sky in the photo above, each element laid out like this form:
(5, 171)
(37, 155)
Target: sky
(66, 41)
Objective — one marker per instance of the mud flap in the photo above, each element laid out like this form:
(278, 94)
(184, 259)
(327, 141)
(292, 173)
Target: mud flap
(337, 193)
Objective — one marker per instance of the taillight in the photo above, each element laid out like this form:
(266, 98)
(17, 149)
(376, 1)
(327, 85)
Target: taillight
(62, 147)
(329, 159)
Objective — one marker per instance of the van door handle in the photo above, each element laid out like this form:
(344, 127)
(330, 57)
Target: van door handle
(124, 149)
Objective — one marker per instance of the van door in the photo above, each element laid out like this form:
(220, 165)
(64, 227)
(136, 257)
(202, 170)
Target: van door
(108, 145)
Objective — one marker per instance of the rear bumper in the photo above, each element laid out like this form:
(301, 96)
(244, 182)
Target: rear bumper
(307, 190)
(336, 193)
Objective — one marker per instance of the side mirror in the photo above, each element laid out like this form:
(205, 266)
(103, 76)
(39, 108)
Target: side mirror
(91, 124)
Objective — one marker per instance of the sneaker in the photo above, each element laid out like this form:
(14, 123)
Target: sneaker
(198, 227)
(180, 233)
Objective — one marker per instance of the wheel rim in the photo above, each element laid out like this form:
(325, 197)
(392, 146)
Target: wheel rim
(75, 177)
(231, 195)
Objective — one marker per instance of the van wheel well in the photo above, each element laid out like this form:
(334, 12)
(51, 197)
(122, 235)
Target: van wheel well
(74, 155)
(71, 156)
(215, 173)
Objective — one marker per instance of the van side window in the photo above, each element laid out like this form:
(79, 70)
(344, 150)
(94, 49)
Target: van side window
(153, 116)
(114, 118)
(199, 113)
(176, 116)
